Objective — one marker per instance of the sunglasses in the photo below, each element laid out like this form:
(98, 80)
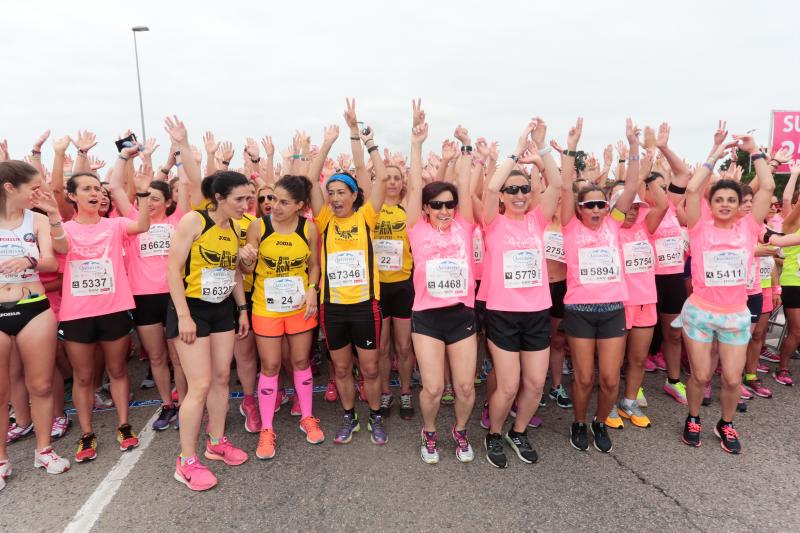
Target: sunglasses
(438, 204)
(591, 204)
(776, 204)
(269, 197)
(514, 189)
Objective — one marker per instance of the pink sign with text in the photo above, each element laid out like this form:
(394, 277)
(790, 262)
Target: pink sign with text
(786, 132)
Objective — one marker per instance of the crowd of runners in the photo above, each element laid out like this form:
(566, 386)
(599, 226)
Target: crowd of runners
(539, 261)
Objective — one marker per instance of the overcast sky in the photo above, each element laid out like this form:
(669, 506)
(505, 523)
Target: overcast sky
(256, 68)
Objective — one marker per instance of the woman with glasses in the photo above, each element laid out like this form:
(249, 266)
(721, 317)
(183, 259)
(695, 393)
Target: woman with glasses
(440, 227)
(594, 314)
(518, 298)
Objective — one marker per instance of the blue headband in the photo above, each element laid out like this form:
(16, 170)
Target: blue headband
(344, 178)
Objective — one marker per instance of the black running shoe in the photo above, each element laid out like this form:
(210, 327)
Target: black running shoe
(691, 431)
(406, 407)
(578, 436)
(519, 443)
(728, 437)
(602, 442)
(494, 450)
(741, 407)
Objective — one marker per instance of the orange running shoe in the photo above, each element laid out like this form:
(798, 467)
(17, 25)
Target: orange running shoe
(310, 426)
(266, 444)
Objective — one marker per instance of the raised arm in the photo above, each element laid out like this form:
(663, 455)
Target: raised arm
(331, 134)
(680, 172)
(633, 179)
(659, 208)
(552, 176)
(415, 184)
(141, 181)
(378, 191)
(267, 167)
(65, 208)
(491, 199)
(697, 183)
(211, 146)
(350, 118)
(462, 172)
(36, 152)
(116, 182)
(568, 171)
(762, 197)
(86, 141)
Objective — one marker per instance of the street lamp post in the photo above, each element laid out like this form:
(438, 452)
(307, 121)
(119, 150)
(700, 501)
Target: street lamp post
(135, 30)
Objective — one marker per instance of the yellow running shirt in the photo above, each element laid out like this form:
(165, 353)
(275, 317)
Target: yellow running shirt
(244, 223)
(281, 274)
(349, 269)
(209, 271)
(392, 249)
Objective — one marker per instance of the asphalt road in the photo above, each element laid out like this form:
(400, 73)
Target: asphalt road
(650, 482)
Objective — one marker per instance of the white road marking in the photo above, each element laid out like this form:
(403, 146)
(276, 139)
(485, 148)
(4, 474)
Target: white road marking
(88, 514)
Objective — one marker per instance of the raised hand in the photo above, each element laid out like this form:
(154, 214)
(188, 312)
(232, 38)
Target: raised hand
(329, 167)
(67, 167)
(142, 179)
(226, 151)
(735, 172)
(350, 117)
(210, 143)
(524, 137)
(794, 167)
(531, 156)
(44, 199)
(783, 156)
(150, 146)
(632, 132)
(575, 134)
(418, 115)
(96, 164)
(127, 151)
(557, 147)
(539, 132)
(332, 133)
(622, 150)
(198, 157)
(86, 141)
(4, 150)
(269, 148)
(649, 138)
(449, 150)
(482, 148)
(663, 135)
(494, 151)
(746, 143)
(721, 133)
(462, 134)
(344, 161)
(60, 145)
(176, 129)
(251, 149)
(37, 145)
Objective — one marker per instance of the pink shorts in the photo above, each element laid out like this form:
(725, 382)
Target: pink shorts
(640, 316)
(766, 305)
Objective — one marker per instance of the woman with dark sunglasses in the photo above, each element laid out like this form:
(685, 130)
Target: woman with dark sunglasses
(350, 291)
(440, 228)
(264, 200)
(594, 315)
(518, 298)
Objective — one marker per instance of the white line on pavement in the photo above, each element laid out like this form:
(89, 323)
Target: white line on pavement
(87, 515)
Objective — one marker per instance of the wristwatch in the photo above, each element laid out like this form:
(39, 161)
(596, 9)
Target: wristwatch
(241, 308)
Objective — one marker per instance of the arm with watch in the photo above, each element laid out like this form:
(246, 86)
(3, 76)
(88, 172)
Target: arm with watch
(116, 181)
(86, 141)
(697, 184)
(241, 304)
(141, 181)
(568, 171)
(378, 192)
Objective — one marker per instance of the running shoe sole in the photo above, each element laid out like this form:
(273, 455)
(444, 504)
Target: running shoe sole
(430, 461)
(490, 461)
(516, 451)
(624, 415)
(594, 443)
(693, 445)
(86, 459)
(128, 448)
(350, 436)
(180, 478)
(674, 395)
(754, 392)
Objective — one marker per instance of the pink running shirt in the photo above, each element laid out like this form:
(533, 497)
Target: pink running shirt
(638, 262)
(443, 273)
(95, 281)
(518, 278)
(594, 267)
(478, 251)
(668, 244)
(721, 259)
(146, 255)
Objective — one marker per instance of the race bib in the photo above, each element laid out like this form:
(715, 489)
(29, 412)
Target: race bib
(347, 269)
(92, 277)
(751, 275)
(446, 278)
(522, 269)
(389, 254)
(216, 284)
(10, 251)
(669, 251)
(284, 294)
(725, 268)
(477, 246)
(155, 241)
(685, 237)
(638, 257)
(554, 246)
(598, 265)
(765, 266)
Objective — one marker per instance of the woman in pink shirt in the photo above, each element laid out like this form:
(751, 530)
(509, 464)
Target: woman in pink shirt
(146, 264)
(440, 228)
(96, 299)
(518, 298)
(638, 260)
(722, 248)
(594, 314)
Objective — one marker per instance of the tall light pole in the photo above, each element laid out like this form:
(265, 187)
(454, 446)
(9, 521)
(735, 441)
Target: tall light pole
(135, 30)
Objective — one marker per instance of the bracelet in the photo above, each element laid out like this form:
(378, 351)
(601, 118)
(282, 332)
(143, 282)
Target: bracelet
(176, 153)
(677, 190)
(622, 161)
(355, 138)
(178, 164)
(544, 151)
(82, 152)
(226, 163)
(313, 286)
(709, 166)
(54, 224)
(241, 308)
(33, 261)
(372, 148)
(756, 157)
(466, 149)
(295, 157)
(777, 163)
(256, 160)
(165, 171)
(633, 158)
(61, 237)
(34, 151)
(143, 194)
(514, 157)
(570, 153)
(124, 158)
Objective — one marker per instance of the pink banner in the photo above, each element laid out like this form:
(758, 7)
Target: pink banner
(786, 132)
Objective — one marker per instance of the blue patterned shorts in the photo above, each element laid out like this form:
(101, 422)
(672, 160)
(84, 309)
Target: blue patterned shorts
(701, 325)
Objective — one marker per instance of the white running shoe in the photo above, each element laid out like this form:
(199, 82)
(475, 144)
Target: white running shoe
(50, 461)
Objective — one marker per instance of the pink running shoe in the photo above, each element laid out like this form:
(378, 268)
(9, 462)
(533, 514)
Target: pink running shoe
(660, 362)
(331, 392)
(279, 400)
(649, 364)
(769, 356)
(194, 475)
(744, 393)
(226, 452)
(761, 368)
(485, 422)
(252, 418)
(535, 422)
(295, 406)
(783, 376)
(757, 388)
